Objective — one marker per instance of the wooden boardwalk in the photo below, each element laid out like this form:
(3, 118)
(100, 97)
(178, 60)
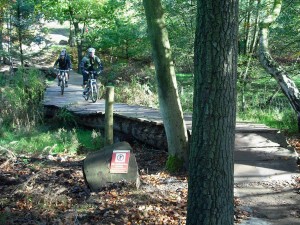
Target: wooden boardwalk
(73, 100)
(92, 114)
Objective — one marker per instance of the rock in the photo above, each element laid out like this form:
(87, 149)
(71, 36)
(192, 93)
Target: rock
(63, 42)
(96, 168)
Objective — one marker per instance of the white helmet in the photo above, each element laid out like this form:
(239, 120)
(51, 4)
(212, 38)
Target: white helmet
(91, 50)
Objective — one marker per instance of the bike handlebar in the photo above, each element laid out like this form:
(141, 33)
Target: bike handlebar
(94, 72)
(62, 70)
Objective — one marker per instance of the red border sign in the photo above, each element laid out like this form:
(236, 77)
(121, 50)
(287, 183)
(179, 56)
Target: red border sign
(119, 161)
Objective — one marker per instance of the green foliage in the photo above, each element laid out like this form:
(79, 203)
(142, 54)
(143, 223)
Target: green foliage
(174, 164)
(21, 95)
(65, 117)
(283, 119)
(66, 141)
(136, 93)
(285, 33)
(4, 216)
(52, 140)
(135, 85)
(45, 30)
(265, 103)
(21, 117)
(24, 23)
(180, 19)
(90, 140)
(186, 90)
(118, 29)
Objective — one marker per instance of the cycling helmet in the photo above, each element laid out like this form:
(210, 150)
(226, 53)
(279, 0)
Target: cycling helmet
(91, 50)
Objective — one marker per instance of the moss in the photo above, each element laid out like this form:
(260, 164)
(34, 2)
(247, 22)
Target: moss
(174, 164)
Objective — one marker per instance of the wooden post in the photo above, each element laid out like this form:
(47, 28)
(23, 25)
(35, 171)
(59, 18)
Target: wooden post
(109, 115)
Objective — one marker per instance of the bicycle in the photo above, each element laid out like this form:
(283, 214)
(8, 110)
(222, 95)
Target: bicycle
(61, 76)
(92, 88)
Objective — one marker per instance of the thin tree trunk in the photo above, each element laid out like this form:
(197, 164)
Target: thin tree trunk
(21, 47)
(253, 44)
(169, 102)
(1, 35)
(244, 83)
(19, 31)
(78, 43)
(247, 28)
(78, 37)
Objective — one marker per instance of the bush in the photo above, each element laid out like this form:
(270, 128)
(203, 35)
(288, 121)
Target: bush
(20, 99)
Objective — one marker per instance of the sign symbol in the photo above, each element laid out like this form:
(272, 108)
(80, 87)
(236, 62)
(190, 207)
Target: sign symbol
(120, 157)
(119, 161)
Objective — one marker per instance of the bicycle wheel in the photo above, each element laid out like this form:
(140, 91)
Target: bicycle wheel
(87, 95)
(62, 86)
(94, 92)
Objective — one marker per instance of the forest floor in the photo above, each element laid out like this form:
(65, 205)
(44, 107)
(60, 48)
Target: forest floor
(37, 189)
(50, 189)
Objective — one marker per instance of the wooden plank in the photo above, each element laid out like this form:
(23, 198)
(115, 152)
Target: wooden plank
(74, 101)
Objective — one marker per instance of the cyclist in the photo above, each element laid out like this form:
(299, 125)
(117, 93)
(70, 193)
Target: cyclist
(91, 62)
(64, 63)
(64, 51)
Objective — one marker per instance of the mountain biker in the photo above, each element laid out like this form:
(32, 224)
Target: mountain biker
(64, 63)
(90, 62)
(64, 51)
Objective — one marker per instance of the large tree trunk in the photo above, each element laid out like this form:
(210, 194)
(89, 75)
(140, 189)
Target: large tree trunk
(210, 187)
(169, 102)
(287, 86)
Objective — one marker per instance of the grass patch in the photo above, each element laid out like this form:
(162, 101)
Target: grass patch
(185, 78)
(22, 125)
(284, 120)
(60, 140)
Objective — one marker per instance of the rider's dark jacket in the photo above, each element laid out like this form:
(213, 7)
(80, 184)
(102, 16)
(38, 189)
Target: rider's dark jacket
(63, 63)
(91, 64)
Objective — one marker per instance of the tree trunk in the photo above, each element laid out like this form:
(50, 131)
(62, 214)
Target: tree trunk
(21, 47)
(19, 31)
(1, 35)
(79, 43)
(169, 102)
(287, 86)
(254, 41)
(210, 187)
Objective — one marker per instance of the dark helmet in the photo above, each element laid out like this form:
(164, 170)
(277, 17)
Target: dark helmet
(63, 53)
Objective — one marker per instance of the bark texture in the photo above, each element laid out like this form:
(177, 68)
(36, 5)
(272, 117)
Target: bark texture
(210, 191)
(169, 102)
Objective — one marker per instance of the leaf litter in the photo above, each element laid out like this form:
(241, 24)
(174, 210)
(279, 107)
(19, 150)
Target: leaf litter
(51, 190)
